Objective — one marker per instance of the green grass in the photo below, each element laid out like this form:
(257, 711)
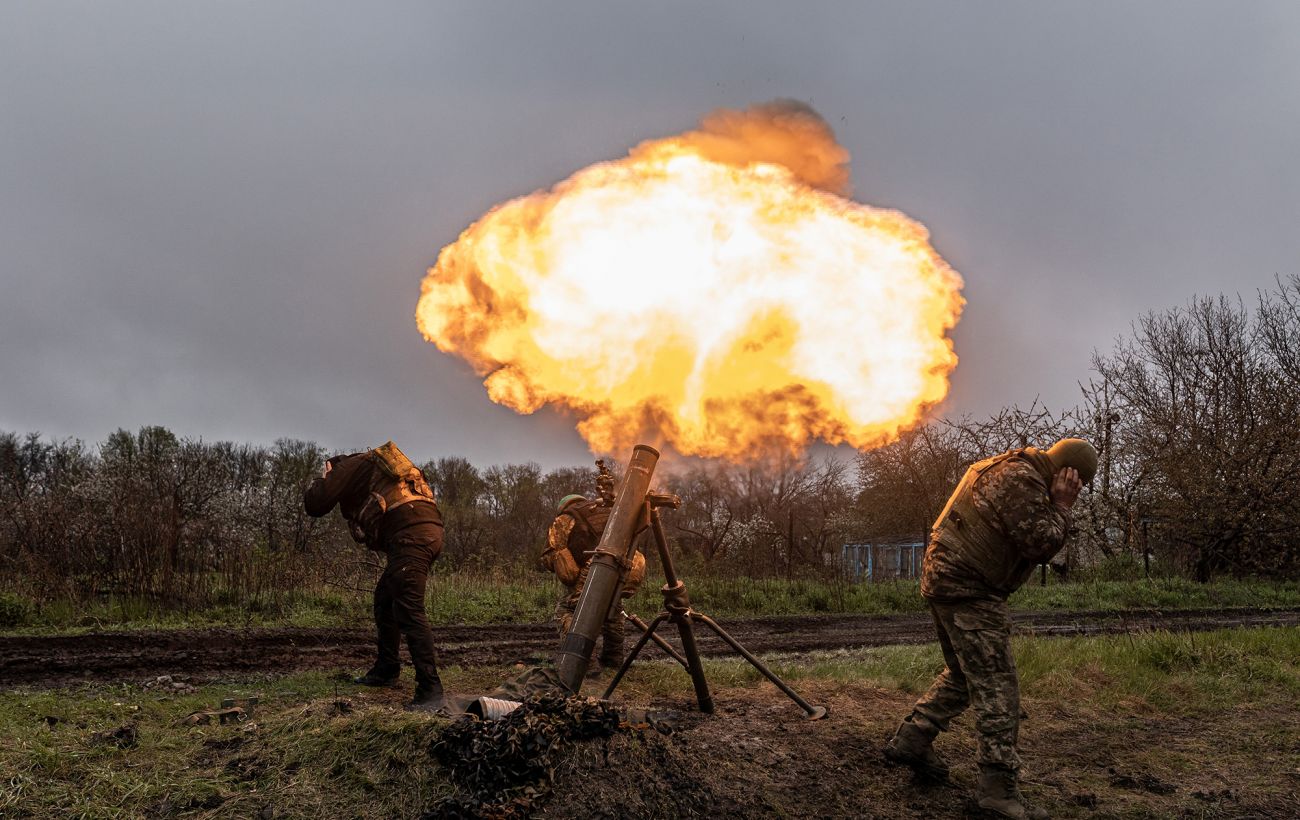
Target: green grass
(1157, 593)
(296, 753)
(305, 758)
(1181, 673)
(488, 598)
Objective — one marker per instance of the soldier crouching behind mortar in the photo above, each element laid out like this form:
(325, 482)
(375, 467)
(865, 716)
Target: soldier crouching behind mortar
(390, 509)
(570, 541)
(1009, 513)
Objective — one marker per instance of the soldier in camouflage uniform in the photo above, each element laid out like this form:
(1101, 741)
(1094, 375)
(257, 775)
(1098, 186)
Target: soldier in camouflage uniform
(573, 536)
(1010, 513)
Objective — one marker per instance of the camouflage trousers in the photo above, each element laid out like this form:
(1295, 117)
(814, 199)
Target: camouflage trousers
(975, 635)
(611, 633)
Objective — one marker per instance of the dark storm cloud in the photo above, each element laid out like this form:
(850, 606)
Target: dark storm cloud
(216, 217)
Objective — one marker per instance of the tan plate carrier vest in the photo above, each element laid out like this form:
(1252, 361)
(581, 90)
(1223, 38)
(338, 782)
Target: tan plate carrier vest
(962, 528)
(394, 481)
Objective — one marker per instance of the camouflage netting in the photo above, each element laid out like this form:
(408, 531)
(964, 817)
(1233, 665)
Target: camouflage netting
(535, 680)
(504, 768)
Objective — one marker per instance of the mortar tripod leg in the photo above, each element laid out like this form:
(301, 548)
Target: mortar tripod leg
(659, 641)
(810, 711)
(686, 630)
(636, 650)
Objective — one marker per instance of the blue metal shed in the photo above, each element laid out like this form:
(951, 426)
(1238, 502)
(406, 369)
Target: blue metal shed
(884, 560)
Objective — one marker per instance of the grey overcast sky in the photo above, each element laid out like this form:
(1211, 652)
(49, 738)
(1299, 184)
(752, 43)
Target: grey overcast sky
(215, 216)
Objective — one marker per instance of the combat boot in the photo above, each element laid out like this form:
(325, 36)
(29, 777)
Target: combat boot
(999, 794)
(912, 746)
(429, 698)
(609, 662)
(377, 677)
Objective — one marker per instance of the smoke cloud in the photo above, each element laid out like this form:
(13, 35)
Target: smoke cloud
(782, 132)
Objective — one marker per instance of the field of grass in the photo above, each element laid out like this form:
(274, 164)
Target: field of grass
(1184, 673)
(477, 598)
(315, 747)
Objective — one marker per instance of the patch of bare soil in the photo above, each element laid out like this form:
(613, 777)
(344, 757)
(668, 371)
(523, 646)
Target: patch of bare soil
(216, 653)
(758, 758)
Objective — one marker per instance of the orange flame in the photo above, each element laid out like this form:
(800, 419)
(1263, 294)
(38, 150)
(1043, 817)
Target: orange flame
(712, 291)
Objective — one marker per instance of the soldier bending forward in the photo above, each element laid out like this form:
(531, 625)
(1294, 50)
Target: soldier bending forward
(1010, 513)
(390, 508)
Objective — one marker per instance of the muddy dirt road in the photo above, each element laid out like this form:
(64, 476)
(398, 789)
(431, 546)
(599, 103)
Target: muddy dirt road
(207, 654)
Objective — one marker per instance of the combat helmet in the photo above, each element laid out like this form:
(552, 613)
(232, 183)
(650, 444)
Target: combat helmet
(571, 498)
(1076, 453)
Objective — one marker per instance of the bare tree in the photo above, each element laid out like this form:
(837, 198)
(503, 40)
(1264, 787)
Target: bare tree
(1206, 406)
(460, 491)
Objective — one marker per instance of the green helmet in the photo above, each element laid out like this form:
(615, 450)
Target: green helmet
(1076, 453)
(569, 499)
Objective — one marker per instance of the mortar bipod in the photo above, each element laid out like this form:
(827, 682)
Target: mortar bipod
(659, 641)
(677, 608)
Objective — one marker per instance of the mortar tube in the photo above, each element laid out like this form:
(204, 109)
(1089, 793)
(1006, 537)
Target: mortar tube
(605, 571)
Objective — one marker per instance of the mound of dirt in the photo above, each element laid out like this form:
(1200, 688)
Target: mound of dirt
(504, 768)
(757, 757)
(581, 757)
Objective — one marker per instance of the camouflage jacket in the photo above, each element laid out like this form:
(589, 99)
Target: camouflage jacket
(556, 557)
(1015, 527)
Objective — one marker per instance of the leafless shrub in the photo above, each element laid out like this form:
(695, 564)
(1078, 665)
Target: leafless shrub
(1204, 402)
(777, 515)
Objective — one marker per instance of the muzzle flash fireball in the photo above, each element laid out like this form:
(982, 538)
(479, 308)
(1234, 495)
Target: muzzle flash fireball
(713, 291)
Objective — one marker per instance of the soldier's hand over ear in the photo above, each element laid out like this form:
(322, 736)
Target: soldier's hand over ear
(1066, 487)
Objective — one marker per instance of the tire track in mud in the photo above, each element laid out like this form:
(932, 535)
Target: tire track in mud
(113, 657)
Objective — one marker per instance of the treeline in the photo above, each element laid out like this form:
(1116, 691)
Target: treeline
(1195, 414)
(147, 514)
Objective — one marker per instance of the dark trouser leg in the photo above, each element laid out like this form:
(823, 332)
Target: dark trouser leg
(387, 662)
(948, 696)
(611, 632)
(980, 633)
(611, 637)
(568, 603)
(563, 617)
(408, 575)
